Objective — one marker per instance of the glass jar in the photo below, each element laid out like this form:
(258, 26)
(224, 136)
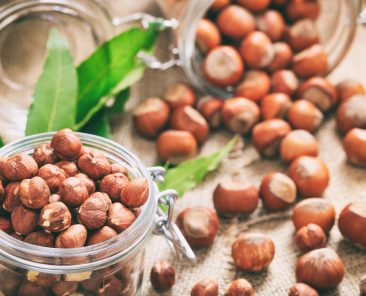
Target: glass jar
(114, 267)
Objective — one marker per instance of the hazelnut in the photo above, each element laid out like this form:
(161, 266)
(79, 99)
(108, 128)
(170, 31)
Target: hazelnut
(113, 184)
(255, 86)
(199, 225)
(135, 193)
(28, 288)
(282, 57)
(19, 167)
(352, 221)
(240, 114)
(53, 176)
(2, 176)
(232, 198)
(23, 220)
(223, 66)
(301, 289)
(12, 199)
(162, 276)
(219, 4)
(93, 212)
(284, 81)
(5, 225)
(189, 119)
(355, 146)
(272, 24)
(277, 191)
(34, 193)
(239, 287)
(40, 238)
(302, 34)
(351, 114)
(310, 237)
(310, 174)
(136, 211)
(206, 287)
(299, 9)
(112, 286)
(120, 217)
(69, 167)
(67, 144)
(275, 105)
(298, 143)
(64, 288)
(252, 251)
(10, 281)
(73, 237)
(267, 136)
(207, 35)
(55, 198)
(348, 88)
(88, 183)
(363, 286)
(321, 269)
(257, 50)
(319, 91)
(176, 146)
(102, 235)
(279, 3)
(236, 22)
(2, 192)
(118, 168)
(73, 192)
(314, 210)
(151, 116)
(43, 154)
(55, 217)
(210, 108)
(179, 95)
(95, 165)
(305, 115)
(255, 6)
(44, 280)
(310, 62)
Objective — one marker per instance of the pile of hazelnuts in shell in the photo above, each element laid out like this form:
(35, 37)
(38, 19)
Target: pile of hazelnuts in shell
(268, 53)
(66, 195)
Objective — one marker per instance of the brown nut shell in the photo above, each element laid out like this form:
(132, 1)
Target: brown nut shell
(310, 237)
(239, 287)
(162, 276)
(179, 95)
(23, 220)
(352, 114)
(302, 34)
(284, 81)
(349, 88)
(275, 105)
(34, 193)
(210, 108)
(207, 35)
(19, 167)
(73, 237)
(299, 9)
(53, 176)
(255, 6)
(120, 217)
(272, 24)
(255, 86)
(135, 193)
(304, 115)
(301, 289)
(205, 287)
(55, 217)
(67, 144)
(282, 57)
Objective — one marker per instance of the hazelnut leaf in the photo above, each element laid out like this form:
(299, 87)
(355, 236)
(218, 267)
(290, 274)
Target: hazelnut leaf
(98, 125)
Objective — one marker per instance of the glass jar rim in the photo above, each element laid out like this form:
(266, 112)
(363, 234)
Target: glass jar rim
(98, 256)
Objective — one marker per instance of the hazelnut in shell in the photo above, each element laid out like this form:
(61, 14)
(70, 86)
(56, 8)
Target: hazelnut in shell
(219, 4)
(179, 95)
(113, 184)
(299, 9)
(135, 193)
(34, 193)
(19, 167)
(275, 105)
(255, 85)
(302, 34)
(93, 212)
(73, 237)
(55, 217)
(94, 164)
(102, 235)
(210, 108)
(300, 289)
(73, 192)
(303, 114)
(24, 220)
(351, 114)
(284, 81)
(310, 237)
(349, 88)
(207, 35)
(43, 154)
(282, 57)
(272, 24)
(67, 144)
(354, 144)
(120, 217)
(205, 287)
(255, 6)
(239, 287)
(162, 276)
(53, 176)
(40, 238)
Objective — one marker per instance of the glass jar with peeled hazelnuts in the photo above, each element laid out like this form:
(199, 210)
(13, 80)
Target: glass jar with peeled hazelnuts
(76, 214)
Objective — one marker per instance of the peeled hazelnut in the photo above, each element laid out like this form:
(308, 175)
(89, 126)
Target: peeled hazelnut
(223, 66)
(113, 184)
(28, 288)
(354, 144)
(235, 22)
(310, 237)
(19, 167)
(55, 198)
(268, 134)
(255, 86)
(219, 4)
(298, 143)
(312, 61)
(5, 225)
(69, 167)
(314, 210)
(12, 199)
(282, 57)
(179, 95)
(118, 168)
(255, 6)
(67, 144)
(206, 287)
(272, 24)
(210, 108)
(284, 81)
(23, 220)
(73, 192)
(275, 105)
(176, 146)
(252, 251)
(93, 212)
(321, 269)
(44, 280)
(89, 183)
(162, 276)
(348, 88)
(305, 115)
(102, 235)
(43, 154)
(231, 198)
(299, 9)
(73, 237)
(301, 289)
(55, 217)
(53, 176)
(257, 50)
(120, 217)
(302, 34)
(151, 116)
(189, 119)
(277, 191)
(64, 288)
(94, 164)
(240, 114)
(2, 192)
(239, 287)
(351, 114)
(199, 225)
(310, 174)
(207, 35)
(135, 193)
(280, 3)
(113, 286)
(34, 193)
(40, 238)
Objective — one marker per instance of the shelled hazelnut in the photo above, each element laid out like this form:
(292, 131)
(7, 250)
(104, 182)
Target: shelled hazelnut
(135, 193)
(73, 237)
(62, 288)
(44, 280)
(210, 108)
(299, 9)
(73, 192)
(255, 86)
(272, 24)
(19, 167)
(207, 35)
(28, 288)
(68, 167)
(92, 212)
(179, 95)
(95, 165)
(302, 34)
(44, 154)
(53, 176)
(162, 276)
(300, 289)
(12, 199)
(118, 168)
(284, 81)
(239, 287)
(304, 115)
(352, 114)
(2, 192)
(113, 184)
(5, 225)
(255, 6)
(101, 235)
(219, 4)
(23, 220)
(206, 287)
(354, 144)
(282, 57)
(310, 237)
(40, 238)
(88, 183)
(275, 105)
(54, 217)
(66, 144)
(120, 217)
(348, 88)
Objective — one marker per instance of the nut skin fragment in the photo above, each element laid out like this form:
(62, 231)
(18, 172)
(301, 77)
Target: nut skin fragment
(66, 144)
(53, 176)
(162, 276)
(40, 238)
(19, 167)
(95, 165)
(239, 287)
(55, 217)
(73, 192)
(93, 212)
(34, 193)
(206, 287)
(301, 289)
(102, 235)
(135, 193)
(310, 237)
(23, 220)
(68, 167)
(120, 217)
(44, 154)
(73, 237)
(12, 199)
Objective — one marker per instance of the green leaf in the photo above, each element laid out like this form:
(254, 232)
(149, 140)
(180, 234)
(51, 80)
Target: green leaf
(120, 102)
(99, 125)
(55, 95)
(1, 142)
(190, 173)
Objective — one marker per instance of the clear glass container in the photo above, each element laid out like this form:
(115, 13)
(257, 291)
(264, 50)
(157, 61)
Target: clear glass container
(114, 267)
